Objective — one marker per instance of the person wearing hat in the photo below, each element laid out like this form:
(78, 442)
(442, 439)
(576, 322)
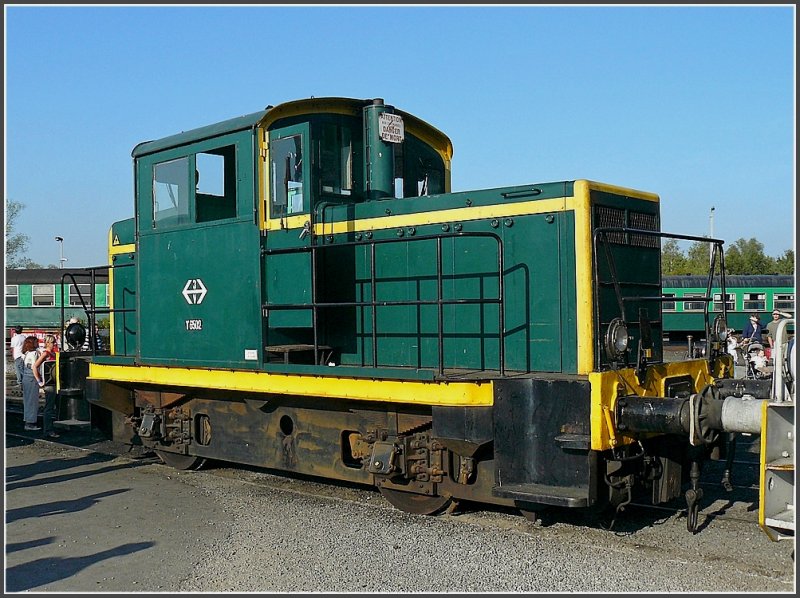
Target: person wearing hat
(753, 330)
(772, 327)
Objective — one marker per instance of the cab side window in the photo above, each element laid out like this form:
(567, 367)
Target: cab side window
(196, 188)
(215, 184)
(423, 169)
(286, 157)
(171, 192)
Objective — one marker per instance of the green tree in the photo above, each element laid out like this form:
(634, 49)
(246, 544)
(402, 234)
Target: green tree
(16, 243)
(673, 262)
(698, 258)
(785, 263)
(746, 256)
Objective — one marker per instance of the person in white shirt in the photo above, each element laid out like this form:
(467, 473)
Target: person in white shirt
(16, 349)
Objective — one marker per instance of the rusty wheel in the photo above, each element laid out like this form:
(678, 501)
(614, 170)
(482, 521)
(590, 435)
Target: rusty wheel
(419, 504)
(183, 462)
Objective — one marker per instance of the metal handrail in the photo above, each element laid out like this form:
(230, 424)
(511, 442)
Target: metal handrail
(91, 310)
(603, 232)
(439, 301)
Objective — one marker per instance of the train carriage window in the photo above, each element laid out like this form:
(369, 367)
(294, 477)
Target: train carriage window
(755, 301)
(286, 157)
(693, 305)
(668, 305)
(729, 301)
(171, 192)
(78, 291)
(12, 295)
(784, 301)
(43, 295)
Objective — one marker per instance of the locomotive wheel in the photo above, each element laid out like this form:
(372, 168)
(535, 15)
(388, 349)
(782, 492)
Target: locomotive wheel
(418, 504)
(182, 462)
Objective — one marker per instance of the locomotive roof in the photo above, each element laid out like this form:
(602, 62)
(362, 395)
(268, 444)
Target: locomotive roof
(50, 276)
(227, 126)
(732, 280)
(310, 105)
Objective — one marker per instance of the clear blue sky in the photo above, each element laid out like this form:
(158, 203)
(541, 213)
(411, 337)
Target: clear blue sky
(696, 104)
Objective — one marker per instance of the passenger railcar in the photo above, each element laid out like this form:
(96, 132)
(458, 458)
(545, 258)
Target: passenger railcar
(35, 298)
(300, 289)
(745, 294)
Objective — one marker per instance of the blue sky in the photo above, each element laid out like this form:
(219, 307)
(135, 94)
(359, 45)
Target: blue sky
(696, 104)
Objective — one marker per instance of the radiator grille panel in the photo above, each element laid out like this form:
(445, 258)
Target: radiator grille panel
(606, 217)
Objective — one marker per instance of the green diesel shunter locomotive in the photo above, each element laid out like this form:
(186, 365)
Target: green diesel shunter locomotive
(299, 289)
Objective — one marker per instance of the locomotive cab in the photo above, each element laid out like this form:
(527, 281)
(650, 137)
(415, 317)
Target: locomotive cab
(318, 166)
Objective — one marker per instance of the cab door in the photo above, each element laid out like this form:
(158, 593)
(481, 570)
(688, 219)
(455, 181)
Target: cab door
(287, 265)
(199, 253)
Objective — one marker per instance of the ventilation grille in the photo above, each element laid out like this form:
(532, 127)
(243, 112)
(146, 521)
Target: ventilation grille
(606, 217)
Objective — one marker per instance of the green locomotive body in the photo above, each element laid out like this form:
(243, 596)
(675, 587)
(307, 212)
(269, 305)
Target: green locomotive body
(300, 289)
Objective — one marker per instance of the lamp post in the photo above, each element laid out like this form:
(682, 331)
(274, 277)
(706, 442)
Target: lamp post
(61, 258)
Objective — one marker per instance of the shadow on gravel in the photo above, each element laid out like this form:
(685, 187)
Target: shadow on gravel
(22, 472)
(60, 507)
(41, 572)
(30, 483)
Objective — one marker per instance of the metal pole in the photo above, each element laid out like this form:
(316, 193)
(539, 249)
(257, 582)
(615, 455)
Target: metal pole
(711, 235)
(61, 259)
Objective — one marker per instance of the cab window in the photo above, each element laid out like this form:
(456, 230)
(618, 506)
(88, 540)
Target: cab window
(171, 192)
(286, 166)
(423, 169)
(196, 188)
(336, 159)
(215, 180)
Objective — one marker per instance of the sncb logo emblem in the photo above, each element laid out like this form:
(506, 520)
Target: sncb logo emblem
(194, 292)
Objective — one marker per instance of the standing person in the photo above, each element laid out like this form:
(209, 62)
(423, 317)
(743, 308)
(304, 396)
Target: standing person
(45, 378)
(16, 352)
(772, 327)
(30, 387)
(753, 330)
